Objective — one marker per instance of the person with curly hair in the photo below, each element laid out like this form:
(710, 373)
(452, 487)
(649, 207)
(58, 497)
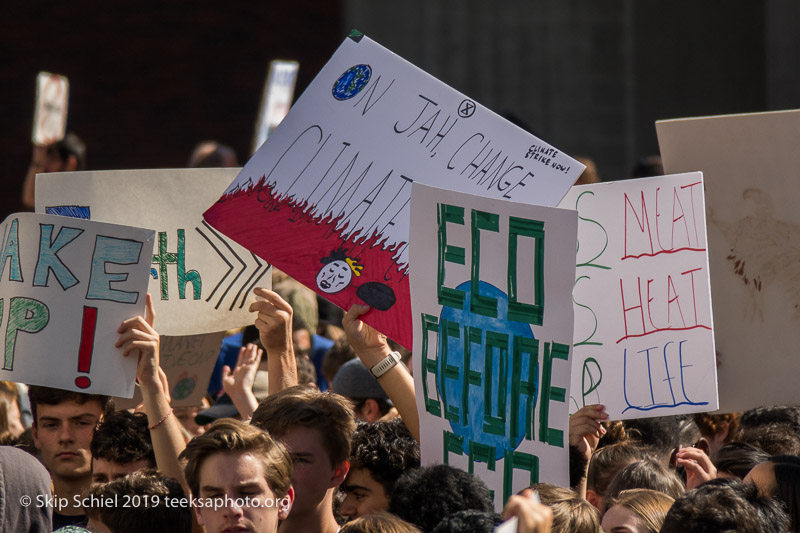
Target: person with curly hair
(121, 445)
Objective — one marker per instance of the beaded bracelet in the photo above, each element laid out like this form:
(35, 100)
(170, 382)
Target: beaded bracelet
(154, 426)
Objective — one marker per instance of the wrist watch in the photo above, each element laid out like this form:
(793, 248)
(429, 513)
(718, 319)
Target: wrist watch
(388, 363)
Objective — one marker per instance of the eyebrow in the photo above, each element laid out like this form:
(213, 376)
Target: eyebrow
(347, 487)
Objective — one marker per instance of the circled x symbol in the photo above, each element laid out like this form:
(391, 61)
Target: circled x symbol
(466, 109)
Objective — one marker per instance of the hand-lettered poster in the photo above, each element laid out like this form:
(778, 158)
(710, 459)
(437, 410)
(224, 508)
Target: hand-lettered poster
(66, 286)
(201, 281)
(750, 166)
(491, 298)
(188, 362)
(326, 198)
(644, 344)
(276, 100)
(50, 116)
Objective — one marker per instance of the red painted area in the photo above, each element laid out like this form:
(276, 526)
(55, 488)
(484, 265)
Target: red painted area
(87, 345)
(286, 233)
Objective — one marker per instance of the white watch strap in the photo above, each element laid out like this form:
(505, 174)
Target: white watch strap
(389, 362)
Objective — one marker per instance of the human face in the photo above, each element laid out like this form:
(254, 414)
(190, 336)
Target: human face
(313, 473)
(619, 519)
(334, 277)
(105, 471)
(763, 476)
(235, 479)
(363, 495)
(63, 434)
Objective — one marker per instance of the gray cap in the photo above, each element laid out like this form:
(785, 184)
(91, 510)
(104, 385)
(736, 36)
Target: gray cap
(354, 380)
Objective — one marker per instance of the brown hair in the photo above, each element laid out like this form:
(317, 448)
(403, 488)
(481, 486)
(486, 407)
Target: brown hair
(379, 523)
(327, 412)
(575, 515)
(650, 506)
(609, 460)
(710, 424)
(227, 435)
(49, 396)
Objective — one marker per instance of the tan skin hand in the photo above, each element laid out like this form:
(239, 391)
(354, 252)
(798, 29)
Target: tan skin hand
(243, 375)
(698, 466)
(274, 319)
(585, 430)
(137, 336)
(533, 516)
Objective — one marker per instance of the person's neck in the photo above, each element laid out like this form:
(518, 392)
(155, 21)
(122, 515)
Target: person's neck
(320, 520)
(66, 490)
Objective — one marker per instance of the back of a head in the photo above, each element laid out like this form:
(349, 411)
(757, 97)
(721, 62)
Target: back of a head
(660, 434)
(606, 462)
(378, 523)
(151, 486)
(386, 450)
(787, 486)
(649, 506)
(725, 505)
(211, 154)
(70, 146)
(423, 496)
(549, 493)
(575, 515)
(468, 522)
(775, 438)
(772, 414)
(123, 437)
(738, 458)
(340, 353)
(329, 413)
(645, 474)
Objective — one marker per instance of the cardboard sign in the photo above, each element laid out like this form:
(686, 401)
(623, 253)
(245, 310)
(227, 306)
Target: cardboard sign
(277, 98)
(201, 281)
(750, 166)
(188, 362)
(644, 344)
(490, 294)
(66, 285)
(332, 184)
(50, 117)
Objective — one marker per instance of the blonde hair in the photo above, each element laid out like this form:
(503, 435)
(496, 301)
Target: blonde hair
(649, 505)
(379, 523)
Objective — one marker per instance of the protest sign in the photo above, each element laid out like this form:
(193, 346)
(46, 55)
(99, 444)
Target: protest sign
(276, 100)
(332, 184)
(491, 299)
(644, 344)
(201, 281)
(188, 362)
(66, 286)
(750, 164)
(50, 117)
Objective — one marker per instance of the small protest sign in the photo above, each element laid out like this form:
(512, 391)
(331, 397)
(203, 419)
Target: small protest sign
(644, 344)
(201, 281)
(276, 100)
(50, 117)
(331, 186)
(491, 299)
(66, 286)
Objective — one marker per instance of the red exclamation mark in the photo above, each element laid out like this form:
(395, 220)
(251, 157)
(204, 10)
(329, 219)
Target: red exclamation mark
(87, 346)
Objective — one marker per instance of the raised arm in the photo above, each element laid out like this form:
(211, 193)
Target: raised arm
(371, 347)
(584, 434)
(238, 383)
(274, 323)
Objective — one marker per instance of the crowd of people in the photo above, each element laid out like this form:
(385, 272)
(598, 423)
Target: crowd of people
(311, 425)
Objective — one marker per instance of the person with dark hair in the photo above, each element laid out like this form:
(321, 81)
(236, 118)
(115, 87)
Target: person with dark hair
(211, 154)
(151, 490)
(717, 430)
(469, 521)
(423, 496)
(645, 474)
(242, 476)
(660, 435)
(316, 427)
(775, 438)
(725, 505)
(379, 454)
(65, 155)
(63, 424)
(773, 414)
(355, 382)
(736, 459)
(340, 353)
(604, 465)
(121, 444)
(779, 478)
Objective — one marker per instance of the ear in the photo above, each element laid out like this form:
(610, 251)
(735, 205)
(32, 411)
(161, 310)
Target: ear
(71, 164)
(593, 498)
(371, 412)
(339, 473)
(285, 504)
(198, 516)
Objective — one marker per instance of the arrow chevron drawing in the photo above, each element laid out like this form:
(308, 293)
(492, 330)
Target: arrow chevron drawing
(235, 262)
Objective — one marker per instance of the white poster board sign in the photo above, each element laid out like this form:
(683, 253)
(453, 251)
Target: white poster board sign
(644, 344)
(277, 98)
(66, 286)
(50, 116)
(188, 362)
(750, 166)
(490, 294)
(201, 281)
(332, 184)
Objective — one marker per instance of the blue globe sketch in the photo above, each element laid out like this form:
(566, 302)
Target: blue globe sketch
(351, 82)
(454, 395)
